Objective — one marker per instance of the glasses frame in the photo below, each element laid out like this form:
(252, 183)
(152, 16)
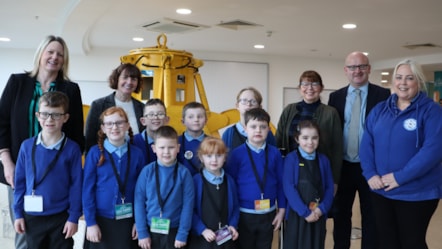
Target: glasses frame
(310, 84)
(52, 115)
(110, 125)
(361, 67)
(159, 115)
(251, 102)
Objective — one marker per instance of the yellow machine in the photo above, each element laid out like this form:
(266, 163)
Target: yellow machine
(172, 76)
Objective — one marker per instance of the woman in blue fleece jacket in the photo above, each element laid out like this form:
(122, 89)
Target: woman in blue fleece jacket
(401, 160)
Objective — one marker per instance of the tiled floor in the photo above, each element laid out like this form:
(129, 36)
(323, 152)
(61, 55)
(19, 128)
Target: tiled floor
(434, 237)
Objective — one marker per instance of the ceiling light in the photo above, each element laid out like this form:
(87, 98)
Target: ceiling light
(385, 73)
(384, 81)
(138, 39)
(366, 53)
(184, 11)
(259, 46)
(349, 26)
(5, 39)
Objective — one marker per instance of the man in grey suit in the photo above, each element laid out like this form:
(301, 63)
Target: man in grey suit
(363, 96)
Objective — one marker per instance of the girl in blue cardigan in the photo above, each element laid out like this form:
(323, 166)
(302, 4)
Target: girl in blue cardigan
(216, 210)
(308, 187)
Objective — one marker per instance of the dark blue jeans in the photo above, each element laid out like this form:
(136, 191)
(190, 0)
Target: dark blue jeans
(350, 182)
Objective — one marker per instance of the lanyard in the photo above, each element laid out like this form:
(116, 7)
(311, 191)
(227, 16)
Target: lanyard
(121, 186)
(50, 166)
(218, 209)
(161, 202)
(266, 166)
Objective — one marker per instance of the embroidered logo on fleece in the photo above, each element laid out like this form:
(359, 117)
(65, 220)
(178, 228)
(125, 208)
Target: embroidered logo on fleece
(410, 124)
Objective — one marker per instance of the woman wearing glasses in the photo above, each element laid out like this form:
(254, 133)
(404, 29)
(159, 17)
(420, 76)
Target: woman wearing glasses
(125, 79)
(248, 98)
(311, 108)
(19, 100)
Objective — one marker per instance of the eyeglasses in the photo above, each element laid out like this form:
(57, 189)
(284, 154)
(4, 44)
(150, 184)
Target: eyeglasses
(248, 101)
(361, 67)
(110, 125)
(312, 84)
(159, 115)
(54, 115)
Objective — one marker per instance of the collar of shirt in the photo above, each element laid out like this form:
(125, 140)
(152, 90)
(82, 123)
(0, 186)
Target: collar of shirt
(162, 165)
(364, 90)
(255, 149)
(241, 129)
(55, 146)
(308, 156)
(149, 138)
(112, 148)
(190, 138)
(213, 179)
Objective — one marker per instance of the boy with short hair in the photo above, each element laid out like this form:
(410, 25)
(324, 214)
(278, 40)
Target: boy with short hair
(154, 117)
(257, 168)
(164, 196)
(194, 118)
(48, 179)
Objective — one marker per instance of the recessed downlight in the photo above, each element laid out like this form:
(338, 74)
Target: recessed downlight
(259, 46)
(5, 39)
(385, 73)
(138, 39)
(184, 11)
(349, 26)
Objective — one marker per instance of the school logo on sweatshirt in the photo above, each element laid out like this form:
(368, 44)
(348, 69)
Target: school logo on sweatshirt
(410, 124)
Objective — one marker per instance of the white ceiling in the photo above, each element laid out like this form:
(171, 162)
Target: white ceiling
(304, 28)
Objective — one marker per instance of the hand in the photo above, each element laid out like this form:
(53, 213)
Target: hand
(278, 219)
(19, 225)
(209, 235)
(144, 243)
(93, 233)
(8, 167)
(375, 183)
(389, 181)
(179, 244)
(318, 212)
(312, 217)
(234, 233)
(134, 233)
(70, 229)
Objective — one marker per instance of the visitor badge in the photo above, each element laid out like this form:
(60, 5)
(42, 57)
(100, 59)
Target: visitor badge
(123, 211)
(33, 203)
(223, 235)
(263, 204)
(160, 225)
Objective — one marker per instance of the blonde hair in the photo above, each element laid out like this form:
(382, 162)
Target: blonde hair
(417, 71)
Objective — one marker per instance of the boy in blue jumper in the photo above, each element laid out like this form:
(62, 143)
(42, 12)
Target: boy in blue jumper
(154, 117)
(48, 178)
(194, 118)
(257, 169)
(164, 196)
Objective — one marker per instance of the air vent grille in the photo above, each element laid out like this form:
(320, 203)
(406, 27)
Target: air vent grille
(168, 26)
(422, 45)
(238, 24)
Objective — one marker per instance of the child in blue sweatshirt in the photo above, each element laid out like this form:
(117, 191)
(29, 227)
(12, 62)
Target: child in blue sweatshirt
(194, 118)
(257, 168)
(164, 196)
(110, 172)
(48, 178)
(216, 211)
(308, 186)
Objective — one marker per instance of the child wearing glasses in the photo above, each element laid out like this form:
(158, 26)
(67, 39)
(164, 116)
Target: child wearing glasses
(248, 98)
(48, 179)
(110, 173)
(154, 117)
(194, 118)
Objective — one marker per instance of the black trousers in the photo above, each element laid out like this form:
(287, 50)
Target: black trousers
(255, 230)
(352, 181)
(164, 241)
(46, 232)
(403, 224)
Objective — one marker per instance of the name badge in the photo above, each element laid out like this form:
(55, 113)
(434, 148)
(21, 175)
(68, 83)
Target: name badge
(33, 203)
(223, 235)
(123, 211)
(160, 225)
(263, 204)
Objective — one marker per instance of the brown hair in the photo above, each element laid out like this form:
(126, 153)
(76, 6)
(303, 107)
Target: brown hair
(311, 75)
(306, 124)
(166, 132)
(256, 114)
(257, 94)
(211, 145)
(193, 105)
(55, 99)
(131, 70)
(102, 135)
